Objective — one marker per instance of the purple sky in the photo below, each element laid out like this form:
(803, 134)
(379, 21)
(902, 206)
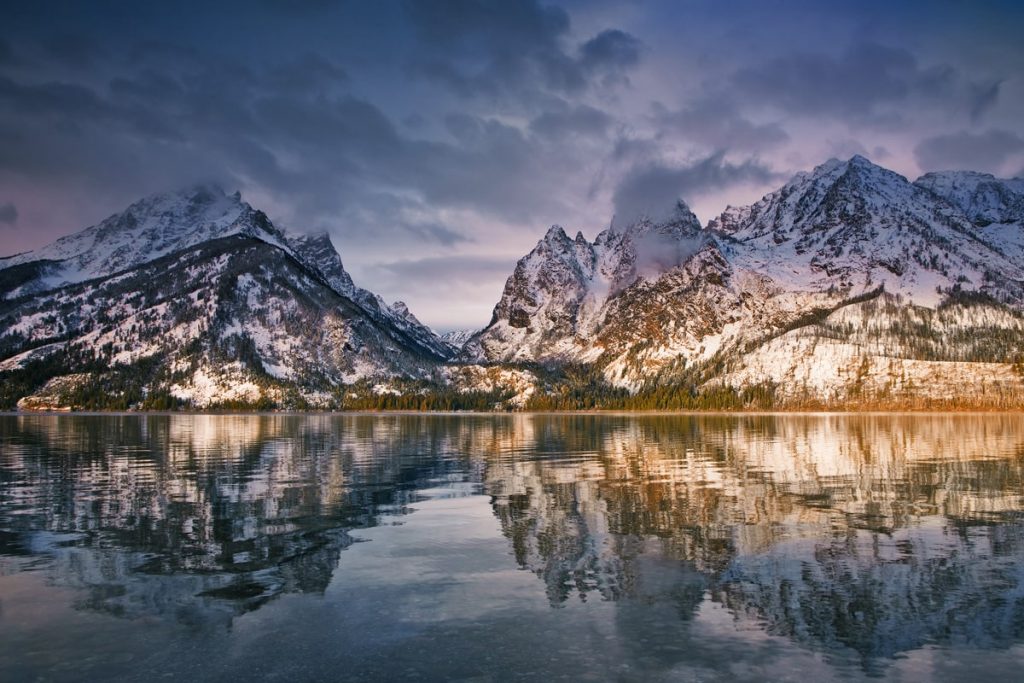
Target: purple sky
(437, 141)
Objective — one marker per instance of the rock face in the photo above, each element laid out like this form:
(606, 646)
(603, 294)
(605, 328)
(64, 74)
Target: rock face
(564, 300)
(847, 279)
(195, 296)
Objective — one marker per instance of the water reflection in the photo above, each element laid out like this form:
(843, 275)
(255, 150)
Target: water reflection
(861, 537)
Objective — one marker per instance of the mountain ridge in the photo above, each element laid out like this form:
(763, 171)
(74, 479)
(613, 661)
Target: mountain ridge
(847, 285)
(233, 309)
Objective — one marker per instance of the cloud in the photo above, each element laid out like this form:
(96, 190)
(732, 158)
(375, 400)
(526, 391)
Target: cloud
(451, 269)
(716, 123)
(74, 50)
(610, 49)
(986, 151)
(506, 50)
(452, 292)
(413, 129)
(581, 120)
(861, 85)
(309, 73)
(846, 148)
(611, 54)
(8, 213)
(653, 189)
(289, 129)
(985, 98)
(435, 232)
(7, 56)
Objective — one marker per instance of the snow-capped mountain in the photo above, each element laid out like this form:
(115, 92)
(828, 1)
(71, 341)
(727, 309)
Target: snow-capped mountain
(555, 304)
(995, 206)
(982, 197)
(456, 339)
(847, 285)
(215, 301)
(843, 269)
(855, 226)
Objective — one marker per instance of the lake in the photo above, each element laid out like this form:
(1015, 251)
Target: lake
(511, 547)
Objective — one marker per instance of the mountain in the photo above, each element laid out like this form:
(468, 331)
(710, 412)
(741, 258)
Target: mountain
(456, 339)
(560, 302)
(995, 206)
(848, 283)
(983, 198)
(847, 286)
(196, 297)
(854, 226)
(946, 319)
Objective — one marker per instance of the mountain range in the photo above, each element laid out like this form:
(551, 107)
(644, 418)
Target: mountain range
(848, 286)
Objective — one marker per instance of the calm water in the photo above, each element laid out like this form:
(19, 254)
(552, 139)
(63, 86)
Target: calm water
(507, 547)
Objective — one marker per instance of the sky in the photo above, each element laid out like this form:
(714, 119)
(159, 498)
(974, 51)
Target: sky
(438, 140)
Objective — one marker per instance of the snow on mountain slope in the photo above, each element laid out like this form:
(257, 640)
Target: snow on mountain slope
(663, 300)
(886, 350)
(146, 230)
(456, 339)
(994, 205)
(555, 304)
(982, 197)
(853, 226)
(317, 251)
(634, 302)
(209, 296)
(169, 222)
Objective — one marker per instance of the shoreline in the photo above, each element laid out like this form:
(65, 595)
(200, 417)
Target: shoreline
(501, 413)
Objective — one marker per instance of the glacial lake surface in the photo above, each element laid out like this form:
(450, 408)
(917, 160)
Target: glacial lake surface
(511, 547)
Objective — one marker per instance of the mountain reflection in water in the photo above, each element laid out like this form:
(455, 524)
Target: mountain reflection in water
(857, 539)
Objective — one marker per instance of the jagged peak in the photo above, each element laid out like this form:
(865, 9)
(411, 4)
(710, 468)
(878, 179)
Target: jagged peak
(555, 241)
(857, 165)
(321, 238)
(828, 166)
(198, 194)
(152, 227)
(401, 308)
(556, 233)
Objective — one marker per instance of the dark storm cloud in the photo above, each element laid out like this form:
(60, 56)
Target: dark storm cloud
(288, 127)
(652, 189)
(610, 49)
(857, 85)
(74, 50)
(610, 55)
(307, 74)
(291, 6)
(8, 214)
(985, 97)
(496, 48)
(716, 123)
(582, 120)
(986, 151)
(7, 56)
(356, 146)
